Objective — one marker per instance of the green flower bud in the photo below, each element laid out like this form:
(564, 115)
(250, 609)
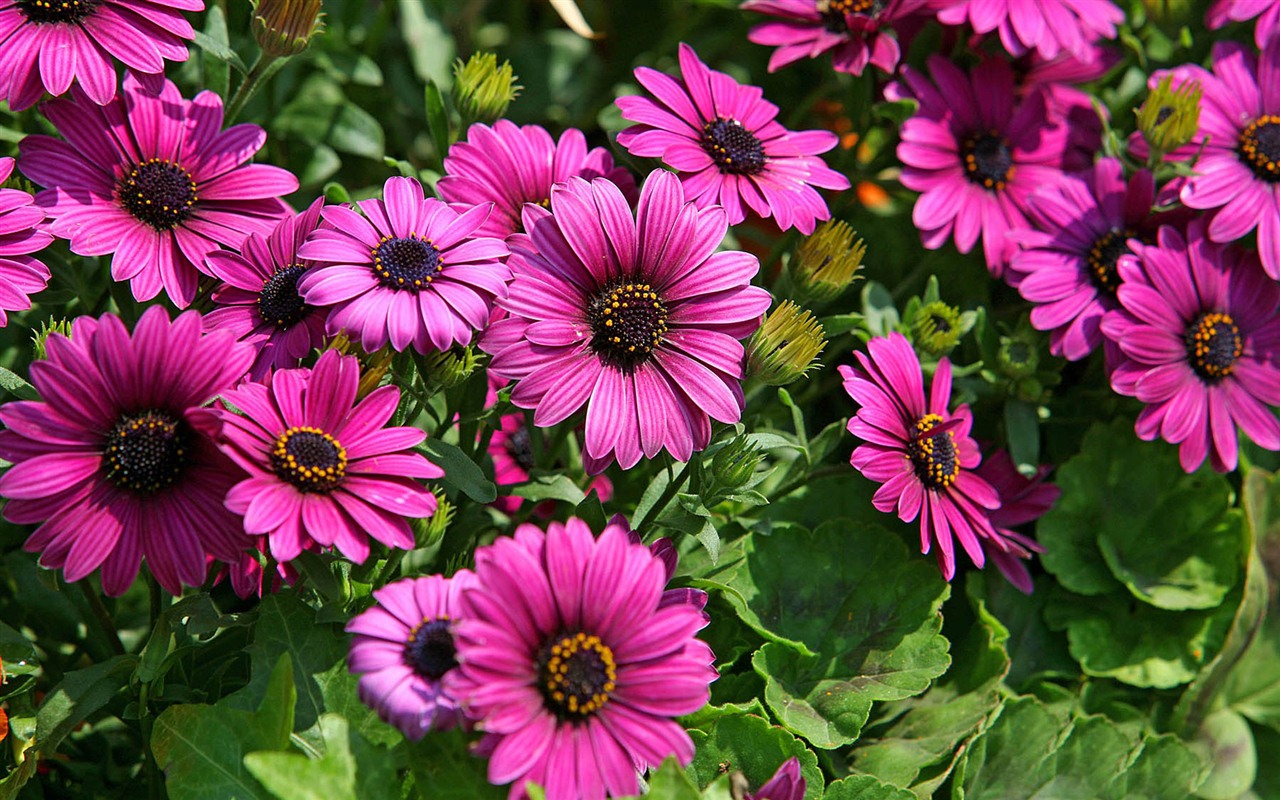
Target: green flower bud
(59, 326)
(285, 27)
(430, 530)
(937, 328)
(1017, 357)
(482, 90)
(1170, 117)
(736, 462)
(786, 346)
(448, 368)
(826, 263)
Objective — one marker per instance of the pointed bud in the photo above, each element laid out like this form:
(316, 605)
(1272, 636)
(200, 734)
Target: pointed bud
(736, 462)
(1170, 117)
(936, 328)
(786, 346)
(825, 263)
(448, 368)
(482, 90)
(285, 27)
(373, 366)
(430, 530)
(58, 326)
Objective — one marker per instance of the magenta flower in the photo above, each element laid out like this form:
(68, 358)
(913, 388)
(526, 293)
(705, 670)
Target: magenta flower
(21, 234)
(510, 449)
(509, 166)
(410, 271)
(637, 318)
(571, 664)
(1199, 333)
(1239, 169)
(1223, 12)
(116, 460)
(976, 155)
(44, 46)
(1048, 26)
(322, 468)
(853, 31)
(403, 648)
(154, 180)
(723, 139)
(786, 784)
(921, 452)
(1022, 500)
(259, 300)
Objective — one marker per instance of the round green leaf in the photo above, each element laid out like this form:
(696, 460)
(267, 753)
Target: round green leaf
(749, 744)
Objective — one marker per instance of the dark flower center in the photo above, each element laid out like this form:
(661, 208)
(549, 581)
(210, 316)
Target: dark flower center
(627, 321)
(520, 448)
(1213, 345)
(408, 262)
(147, 453)
(933, 456)
(735, 149)
(430, 649)
(40, 11)
(159, 193)
(576, 674)
(1103, 257)
(987, 160)
(310, 459)
(279, 302)
(833, 12)
(1260, 147)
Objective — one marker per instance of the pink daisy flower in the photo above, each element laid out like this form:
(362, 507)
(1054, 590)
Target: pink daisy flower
(116, 460)
(853, 31)
(786, 784)
(1023, 500)
(572, 665)
(411, 271)
(259, 300)
(975, 155)
(509, 166)
(1224, 12)
(723, 139)
(1047, 26)
(322, 468)
(638, 318)
(154, 180)
(402, 649)
(921, 452)
(1199, 333)
(44, 46)
(21, 234)
(1239, 169)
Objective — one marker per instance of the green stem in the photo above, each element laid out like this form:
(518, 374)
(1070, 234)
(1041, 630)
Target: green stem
(389, 568)
(673, 486)
(834, 469)
(103, 616)
(263, 68)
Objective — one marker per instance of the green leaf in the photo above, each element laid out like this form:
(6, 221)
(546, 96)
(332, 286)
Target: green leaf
(671, 783)
(1022, 428)
(1034, 650)
(350, 769)
(460, 472)
(217, 72)
(865, 787)
(550, 487)
(429, 44)
(749, 744)
(14, 384)
(320, 114)
(437, 118)
(78, 695)
(878, 309)
(219, 48)
(1233, 759)
(1253, 686)
(445, 769)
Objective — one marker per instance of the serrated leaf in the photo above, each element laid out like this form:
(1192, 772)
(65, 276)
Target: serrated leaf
(749, 744)
(460, 472)
(865, 787)
(349, 769)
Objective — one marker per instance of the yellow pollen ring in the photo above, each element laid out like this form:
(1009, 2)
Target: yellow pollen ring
(309, 477)
(557, 677)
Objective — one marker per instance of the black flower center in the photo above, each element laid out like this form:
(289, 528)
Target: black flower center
(576, 674)
(430, 649)
(1103, 257)
(147, 453)
(408, 262)
(627, 321)
(735, 149)
(279, 302)
(933, 455)
(1213, 345)
(310, 459)
(987, 160)
(159, 193)
(520, 448)
(40, 11)
(1260, 147)
(833, 12)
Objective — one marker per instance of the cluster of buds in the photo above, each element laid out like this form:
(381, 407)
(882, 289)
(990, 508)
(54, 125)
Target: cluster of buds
(284, 28)
(482, 89)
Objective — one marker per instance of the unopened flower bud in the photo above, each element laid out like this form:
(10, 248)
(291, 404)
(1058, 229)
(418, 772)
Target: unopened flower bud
(285, 27)
(1017, 357)
(826, 262)
(430, 530)
(59, 326)
(373, 366)
(937, 328)
(785, 346)
(1170, 117)
(736, 462)
(448, 368)
(482, 90)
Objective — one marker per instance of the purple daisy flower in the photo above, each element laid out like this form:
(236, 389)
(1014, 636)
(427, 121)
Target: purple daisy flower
(975, 155)
(786, 784)
(403, 648)
(571, 663)
(116, 460)
(1239, 167)
(921, 452)
(853, 31)
(322, 468)
(411, 271)
(509, 166)
(637, 318)
(1199, 334)
(1049, 27)
(1224, 12)
(154, 180)
(259, 300)
(1022, 500)
(723, 139)
(44, 46)
(21, 234)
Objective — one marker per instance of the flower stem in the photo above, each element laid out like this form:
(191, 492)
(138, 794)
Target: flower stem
(673, 486)
(263, 68)
(103, 616)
